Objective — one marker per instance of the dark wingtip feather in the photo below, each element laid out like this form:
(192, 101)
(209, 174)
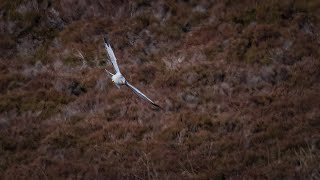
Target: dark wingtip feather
(157, 106)
(106, 40)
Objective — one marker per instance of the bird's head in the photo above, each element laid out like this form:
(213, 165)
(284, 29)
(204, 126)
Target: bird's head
(112, 78)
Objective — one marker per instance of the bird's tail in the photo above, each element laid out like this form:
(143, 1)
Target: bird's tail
(109, 73)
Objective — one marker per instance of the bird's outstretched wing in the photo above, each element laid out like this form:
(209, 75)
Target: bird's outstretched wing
(141, 95)
(111, 55)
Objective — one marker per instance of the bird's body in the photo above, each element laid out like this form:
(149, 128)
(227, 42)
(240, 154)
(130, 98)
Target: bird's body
(118, 78)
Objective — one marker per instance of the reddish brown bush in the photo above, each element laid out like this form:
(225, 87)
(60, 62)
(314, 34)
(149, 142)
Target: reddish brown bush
(238, 82)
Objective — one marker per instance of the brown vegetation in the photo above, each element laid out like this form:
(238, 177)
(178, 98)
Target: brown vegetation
(239, 82)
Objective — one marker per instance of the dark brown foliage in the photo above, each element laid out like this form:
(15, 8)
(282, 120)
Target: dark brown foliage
(238, 82)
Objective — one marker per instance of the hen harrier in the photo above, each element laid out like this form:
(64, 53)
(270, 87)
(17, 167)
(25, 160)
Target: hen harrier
(118, 78)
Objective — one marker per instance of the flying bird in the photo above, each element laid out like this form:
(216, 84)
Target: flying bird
(118, 78)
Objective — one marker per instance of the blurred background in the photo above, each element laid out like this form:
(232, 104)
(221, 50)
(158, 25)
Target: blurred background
(239, 82)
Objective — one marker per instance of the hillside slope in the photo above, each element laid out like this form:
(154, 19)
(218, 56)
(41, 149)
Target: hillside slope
(239, 82)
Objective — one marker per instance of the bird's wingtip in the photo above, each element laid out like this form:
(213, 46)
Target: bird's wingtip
(156, 105)
(106, 40)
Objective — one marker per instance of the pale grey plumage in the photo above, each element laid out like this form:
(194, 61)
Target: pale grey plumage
(111, 55)
(140, 94)
(118, 78)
